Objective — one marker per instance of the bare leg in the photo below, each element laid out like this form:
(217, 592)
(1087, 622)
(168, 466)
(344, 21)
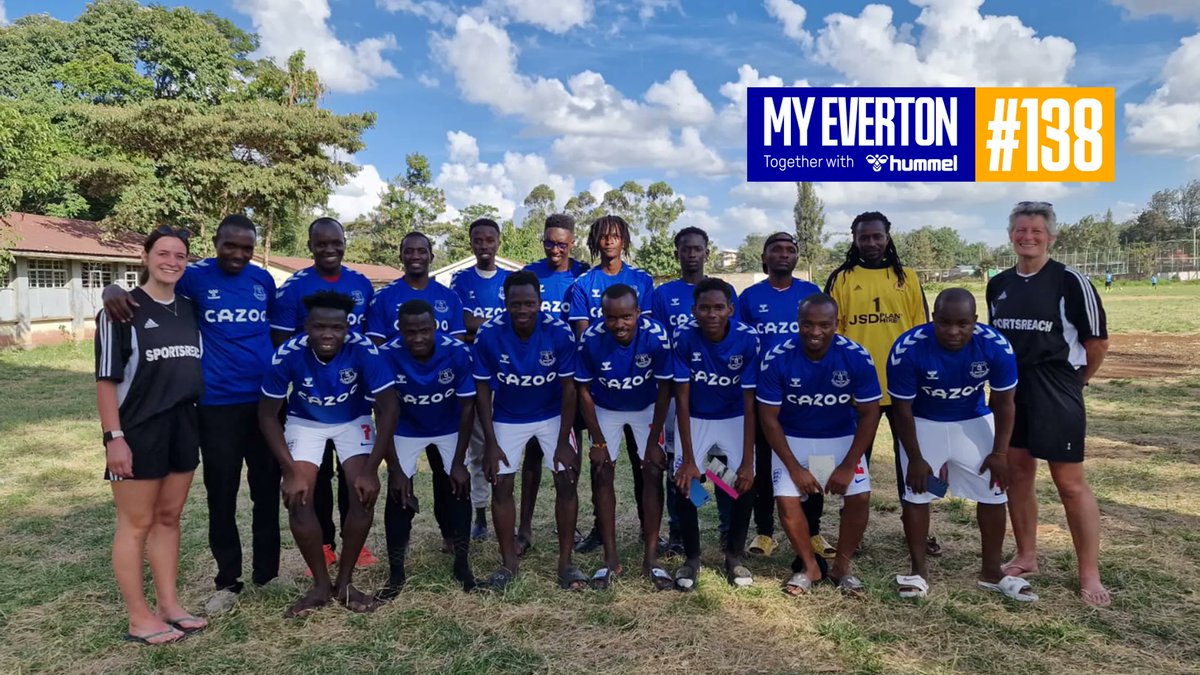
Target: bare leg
(306, 530)
(795, 526)
(503, 517)
(855, 511)
(1083, 517)
(135, 517)
(531, 483)
(354, 535)
(566, 513)
(605, 500)
(916, 535)
(652, 508)
(162, 548)
(991, 538)
(1023, 510)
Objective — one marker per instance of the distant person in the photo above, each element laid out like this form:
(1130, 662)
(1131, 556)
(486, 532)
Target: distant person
(1054, 319)
(1154, 281)
(1108, 279)
(148, 381)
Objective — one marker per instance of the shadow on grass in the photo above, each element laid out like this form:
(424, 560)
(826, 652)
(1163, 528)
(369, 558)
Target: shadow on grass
(38, 391)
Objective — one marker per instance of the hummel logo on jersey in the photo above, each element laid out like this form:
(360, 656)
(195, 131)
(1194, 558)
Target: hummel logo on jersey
(504, 358)
(347, 375)
(470, 294)
(308, 382)
(931, 375)
(795, 382)
(401, 378)
(979, 369)
(735, 362)
(840, 378)
(546, 358)
(858, 288)
(260, 293)
(674, 302)
(446, 376)
(441, 306)
(696, 358)
(642, 360)
(606, 366)
(762, 308)
(150, 323)
(214, 294)
(595, 292)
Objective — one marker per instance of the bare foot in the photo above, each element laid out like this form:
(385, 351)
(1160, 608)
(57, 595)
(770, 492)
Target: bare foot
(1095, 595)
(356, 601)
(153, 631)
(1020, 567)
(315, 599)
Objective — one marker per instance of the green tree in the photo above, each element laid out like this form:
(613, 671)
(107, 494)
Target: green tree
(458, 244)
(661, 208)
(809, 216)
(409, 202)
(750, 253)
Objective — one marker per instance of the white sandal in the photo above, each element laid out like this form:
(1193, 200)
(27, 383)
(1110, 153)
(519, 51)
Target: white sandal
(1013, 588)
(912, 586)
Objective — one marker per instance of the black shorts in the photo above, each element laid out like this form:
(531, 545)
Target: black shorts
(167, 443)
(1050, 420)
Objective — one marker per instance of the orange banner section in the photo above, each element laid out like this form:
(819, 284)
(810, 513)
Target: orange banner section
(1050, 134)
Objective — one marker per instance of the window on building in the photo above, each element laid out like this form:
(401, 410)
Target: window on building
(130, 279)
(97, 275)
(47, 273)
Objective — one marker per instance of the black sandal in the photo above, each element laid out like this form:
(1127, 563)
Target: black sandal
(661, 579)
(602, 579)
(685, 578)
(498, 581)
(568, 578)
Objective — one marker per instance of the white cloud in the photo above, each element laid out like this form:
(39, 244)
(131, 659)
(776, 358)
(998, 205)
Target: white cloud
(732, 18)
(700, 202)
(648, 8)
(557, 16)
(730, 126)
(1168, 122)
(599, 187)
(3, 18)
(1179, 9)
(1123, 211)
(288, 25)
(792, 17)
(597, 128)
(428, 80)
(430, 10)
(359, 195)
(957, 46)
(467, 180)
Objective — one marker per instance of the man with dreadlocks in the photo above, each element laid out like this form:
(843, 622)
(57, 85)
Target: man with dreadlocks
(878, 301)
(608, 241)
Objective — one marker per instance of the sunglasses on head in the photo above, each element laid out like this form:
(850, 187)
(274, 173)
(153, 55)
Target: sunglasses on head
(558, 245)
(180, 232)
(1040, 204)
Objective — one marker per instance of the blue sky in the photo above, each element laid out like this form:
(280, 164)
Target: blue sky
(585, 94)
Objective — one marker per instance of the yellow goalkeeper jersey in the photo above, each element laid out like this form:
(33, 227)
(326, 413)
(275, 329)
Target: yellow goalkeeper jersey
(874, 309)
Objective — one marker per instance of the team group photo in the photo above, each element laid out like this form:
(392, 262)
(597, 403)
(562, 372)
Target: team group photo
(652, 336)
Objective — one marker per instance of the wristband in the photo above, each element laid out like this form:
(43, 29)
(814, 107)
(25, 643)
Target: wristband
(110, 435)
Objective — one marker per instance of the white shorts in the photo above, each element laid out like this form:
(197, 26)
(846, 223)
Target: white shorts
(612, 424)
(714, 437)
(961, 447)
(802, 449)
(512, 439)
(409, 448)
(306, 438)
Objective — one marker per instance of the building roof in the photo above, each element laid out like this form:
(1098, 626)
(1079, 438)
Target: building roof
(374, 273)
(469, 261)
(67, 236)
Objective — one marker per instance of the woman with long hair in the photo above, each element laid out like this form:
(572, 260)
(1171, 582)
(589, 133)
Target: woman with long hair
(148, 381)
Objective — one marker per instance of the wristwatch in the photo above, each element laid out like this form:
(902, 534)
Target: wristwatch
(110, 435)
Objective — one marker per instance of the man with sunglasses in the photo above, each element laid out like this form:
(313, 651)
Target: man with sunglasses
(232, 298)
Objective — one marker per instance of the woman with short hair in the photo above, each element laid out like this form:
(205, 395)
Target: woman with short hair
(148, 381)
(1054, 319)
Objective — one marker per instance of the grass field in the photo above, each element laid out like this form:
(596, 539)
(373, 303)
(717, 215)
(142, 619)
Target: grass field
(60, 611)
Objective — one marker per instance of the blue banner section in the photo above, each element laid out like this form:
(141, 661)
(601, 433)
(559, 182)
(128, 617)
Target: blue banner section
(860, 134)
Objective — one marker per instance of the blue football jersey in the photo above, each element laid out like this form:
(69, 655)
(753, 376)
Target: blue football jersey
(625, 378)
(232, 313)
(816, 399)
(331, 393)
(772, 312)
(947, 386)
(555, 285)
(288, 313)
(718, 371)
(672, 303)
(429, 392)
(383, 314)
(483, 298)
(525, 375)
(586, 292)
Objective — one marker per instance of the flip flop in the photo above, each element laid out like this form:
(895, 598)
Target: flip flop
(685, 578)
(798, 585)
(912, 586)
(571, 579)
(602, 579)
(1013, 588)
(1014, 570)
(851, 585)
(498, 581)
(661, 579)
(145, 639)
(739, 576)
(176, 623)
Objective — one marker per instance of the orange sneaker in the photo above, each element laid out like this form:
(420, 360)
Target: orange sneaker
(365, 558)
(330, 558)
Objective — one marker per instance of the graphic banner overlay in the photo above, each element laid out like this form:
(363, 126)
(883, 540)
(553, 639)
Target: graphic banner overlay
(931, 134)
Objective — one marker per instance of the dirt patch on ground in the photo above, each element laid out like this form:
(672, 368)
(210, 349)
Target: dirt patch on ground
(1149, 355)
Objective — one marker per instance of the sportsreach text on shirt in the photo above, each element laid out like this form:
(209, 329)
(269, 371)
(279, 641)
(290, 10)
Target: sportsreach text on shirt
(941, 134)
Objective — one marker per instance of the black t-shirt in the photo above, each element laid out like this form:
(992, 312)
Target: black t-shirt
(1046, 316)
(154, 359)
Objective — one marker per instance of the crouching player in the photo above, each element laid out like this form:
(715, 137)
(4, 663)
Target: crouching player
(624, 373)
(936, 373)
(334, 376)
(433, 382)
(819, 401)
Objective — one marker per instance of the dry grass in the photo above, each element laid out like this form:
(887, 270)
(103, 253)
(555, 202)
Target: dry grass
(60, 612)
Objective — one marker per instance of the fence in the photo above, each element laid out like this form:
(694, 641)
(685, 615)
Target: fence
(1167, 259)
